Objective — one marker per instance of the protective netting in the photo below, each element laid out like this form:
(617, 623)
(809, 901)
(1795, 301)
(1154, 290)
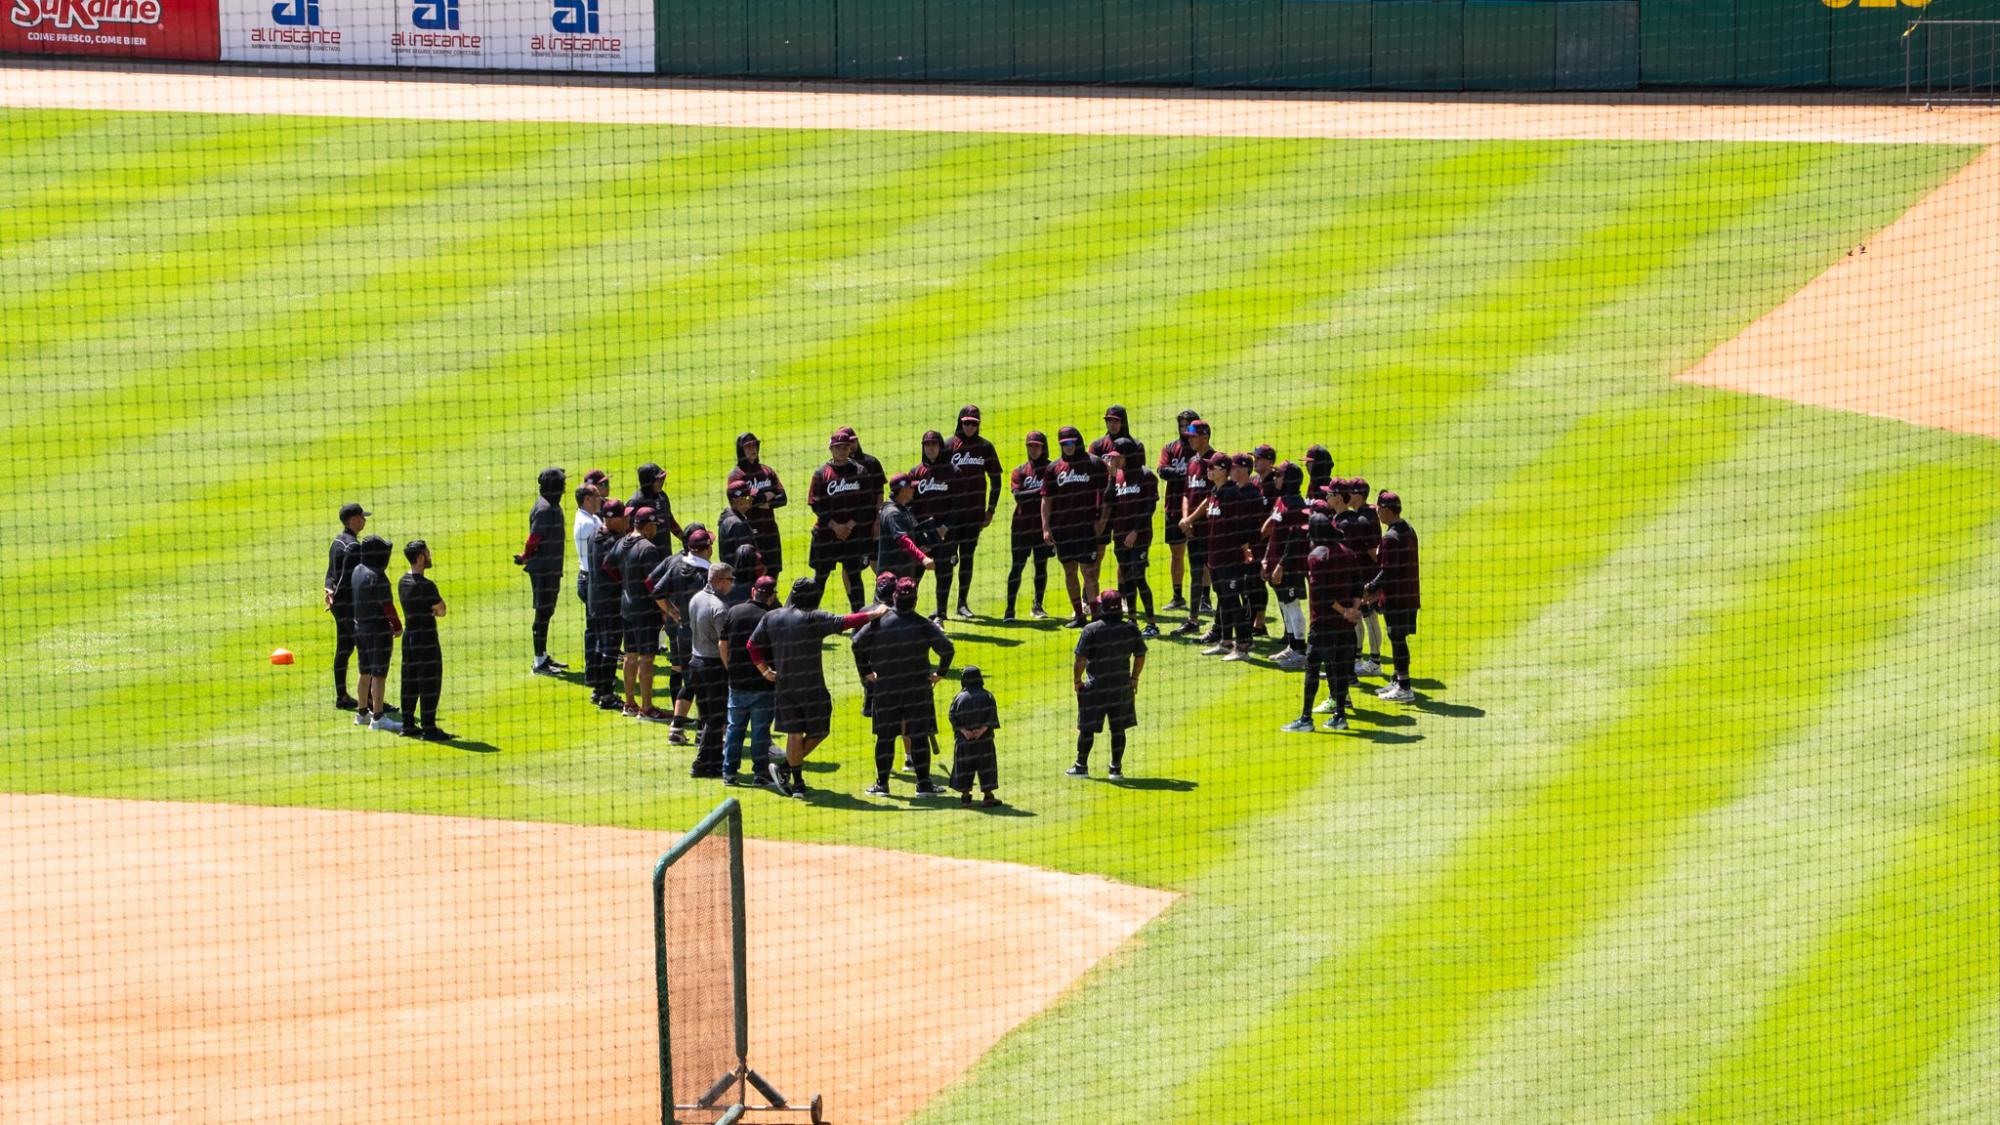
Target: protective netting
(1664, 783)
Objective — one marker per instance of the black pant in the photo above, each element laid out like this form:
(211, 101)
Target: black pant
(1401, 624)
(709, 682)
(1040, 553)
(422, 676)
(343, 651)
(974, 762)
(1232, 606)
(920, 757)
(1332, 651)
(603, 639)
(850, 574)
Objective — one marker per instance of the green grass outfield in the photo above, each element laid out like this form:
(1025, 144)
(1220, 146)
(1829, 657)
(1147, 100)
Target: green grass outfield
(1699, 821)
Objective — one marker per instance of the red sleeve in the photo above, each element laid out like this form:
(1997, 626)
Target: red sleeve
(674, 528)
(389, 611)
(757, 653)
(910, 545)
(857, 620)
(534, 541)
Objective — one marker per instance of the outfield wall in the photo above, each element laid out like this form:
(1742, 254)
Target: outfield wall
(1304, 44)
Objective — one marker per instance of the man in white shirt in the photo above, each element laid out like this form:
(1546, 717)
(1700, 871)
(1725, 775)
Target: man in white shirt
(589, 501)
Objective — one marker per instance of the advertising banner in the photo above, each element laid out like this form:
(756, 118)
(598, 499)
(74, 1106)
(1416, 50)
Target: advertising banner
(564, 35)
(148, 29)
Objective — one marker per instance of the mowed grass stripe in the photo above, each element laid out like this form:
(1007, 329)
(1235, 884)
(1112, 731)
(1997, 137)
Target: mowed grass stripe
(1854, 1028)
(1611, 1030)
(1531, 882)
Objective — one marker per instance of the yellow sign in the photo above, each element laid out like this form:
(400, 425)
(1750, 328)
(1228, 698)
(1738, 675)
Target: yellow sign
(1876, 3)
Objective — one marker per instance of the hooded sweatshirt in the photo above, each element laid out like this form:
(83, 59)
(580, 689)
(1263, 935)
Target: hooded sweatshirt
(932, 476)
(543, 553)
(1102, 445)
(373, 598)
(767, 494)
(1026, 483)
(975, 473)
(650, 495)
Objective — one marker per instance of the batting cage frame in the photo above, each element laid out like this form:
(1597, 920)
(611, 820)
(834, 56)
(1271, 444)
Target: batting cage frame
(725, 1100)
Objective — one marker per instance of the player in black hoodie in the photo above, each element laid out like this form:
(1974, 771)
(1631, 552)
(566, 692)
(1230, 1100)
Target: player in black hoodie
(931, 508)
(376, 627)
(542, 559)
(767, 495)
(1025, 535)
(653, 494)
(975, 493)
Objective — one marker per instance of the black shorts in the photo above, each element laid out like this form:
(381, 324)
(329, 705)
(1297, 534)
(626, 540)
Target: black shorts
(680, 644)
(1131, 558)
(372, 650)
(1173, 532)
(1288, 591)
(803, 711)
(1197, 551)
(1082, 550)
(852, 552)
(545, 587)
(903, 709)
(1030, 542)
(1400, 622)
(642, 635)
(964, 531)
(608, 632)
(1100, 706)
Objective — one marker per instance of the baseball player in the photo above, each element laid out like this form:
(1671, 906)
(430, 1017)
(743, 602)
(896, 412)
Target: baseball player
(1116, 425)
(1110, 655)
(341, 556)
(897, 550)
(1319, 473)
(974, 716)
(785, 647)
(1132, 492)
(636, 558)
(589, 521)
(1072, 519)
(893, 653)
(975, 493)
(423, 657)
(653, 494)
(733, 528)
(767, 495)
(1025, 533)
(1286, 547)
(601, 603)
(874, 482)
(1334, 574)
(376, 626)
(1361, 529)
(844, 519)
(542, 558)
(673, 583)
(1264, 478)
(1173, 474)
(1207, 473)
(931, 508)
(1398, 591)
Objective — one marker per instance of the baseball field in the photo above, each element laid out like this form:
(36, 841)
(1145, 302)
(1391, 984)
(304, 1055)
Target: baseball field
(1697, 816)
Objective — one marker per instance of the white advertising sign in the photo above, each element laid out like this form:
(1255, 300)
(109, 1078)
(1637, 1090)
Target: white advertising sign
(571, 35)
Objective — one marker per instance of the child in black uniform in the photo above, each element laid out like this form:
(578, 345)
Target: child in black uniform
(974, 718)
(423, 659)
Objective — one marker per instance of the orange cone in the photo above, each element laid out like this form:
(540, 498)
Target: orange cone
(281, 656)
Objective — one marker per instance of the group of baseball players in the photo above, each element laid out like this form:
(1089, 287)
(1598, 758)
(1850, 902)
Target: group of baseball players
(1243, 530)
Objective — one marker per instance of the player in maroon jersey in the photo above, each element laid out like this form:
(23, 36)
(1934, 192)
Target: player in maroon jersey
(1285, 531)
(1131, 494)
(1334, 577)
(930, 508)
(975, 493)
(767, 495)
(843, 527)
(1025, 533)
(1173, 473)
(1072, 518)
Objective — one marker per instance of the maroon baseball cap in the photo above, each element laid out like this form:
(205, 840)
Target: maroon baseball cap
(968, 414)
(885, 585)
(1110, 601)
(1037, 437)
(843, 434)
(901, 481)
(1390, 501)
(1068, 434)
(644, 515)
(764, 585)
(1359, 487)
(739, 489)
(612, 509)
(1243, 461)
(1197, 426)
(906, 588)
(699, 537)
(597, 477)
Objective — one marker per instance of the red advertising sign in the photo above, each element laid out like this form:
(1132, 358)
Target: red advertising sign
(150, 29)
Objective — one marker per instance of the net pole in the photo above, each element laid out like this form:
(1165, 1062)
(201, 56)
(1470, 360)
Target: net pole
(660, 986)
(739, 935)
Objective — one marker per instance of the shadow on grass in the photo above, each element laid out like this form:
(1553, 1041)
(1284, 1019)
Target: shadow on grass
(835, 799)
(471, 745)
(1382, 718)
(1381, 735)
(1454, 710)
(1168, 784)
(985, 639)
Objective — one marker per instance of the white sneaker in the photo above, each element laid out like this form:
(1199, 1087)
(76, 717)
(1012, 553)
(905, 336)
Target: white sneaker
(1238, 654)
(1217, 650)
(1323, 707)
(1398, 694)
(361, 718)
(385, 723)
(964, 614)
(1365, 667)
(1291, 660)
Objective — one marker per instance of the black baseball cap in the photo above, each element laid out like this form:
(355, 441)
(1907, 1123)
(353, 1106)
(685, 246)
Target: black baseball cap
(349, 511)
